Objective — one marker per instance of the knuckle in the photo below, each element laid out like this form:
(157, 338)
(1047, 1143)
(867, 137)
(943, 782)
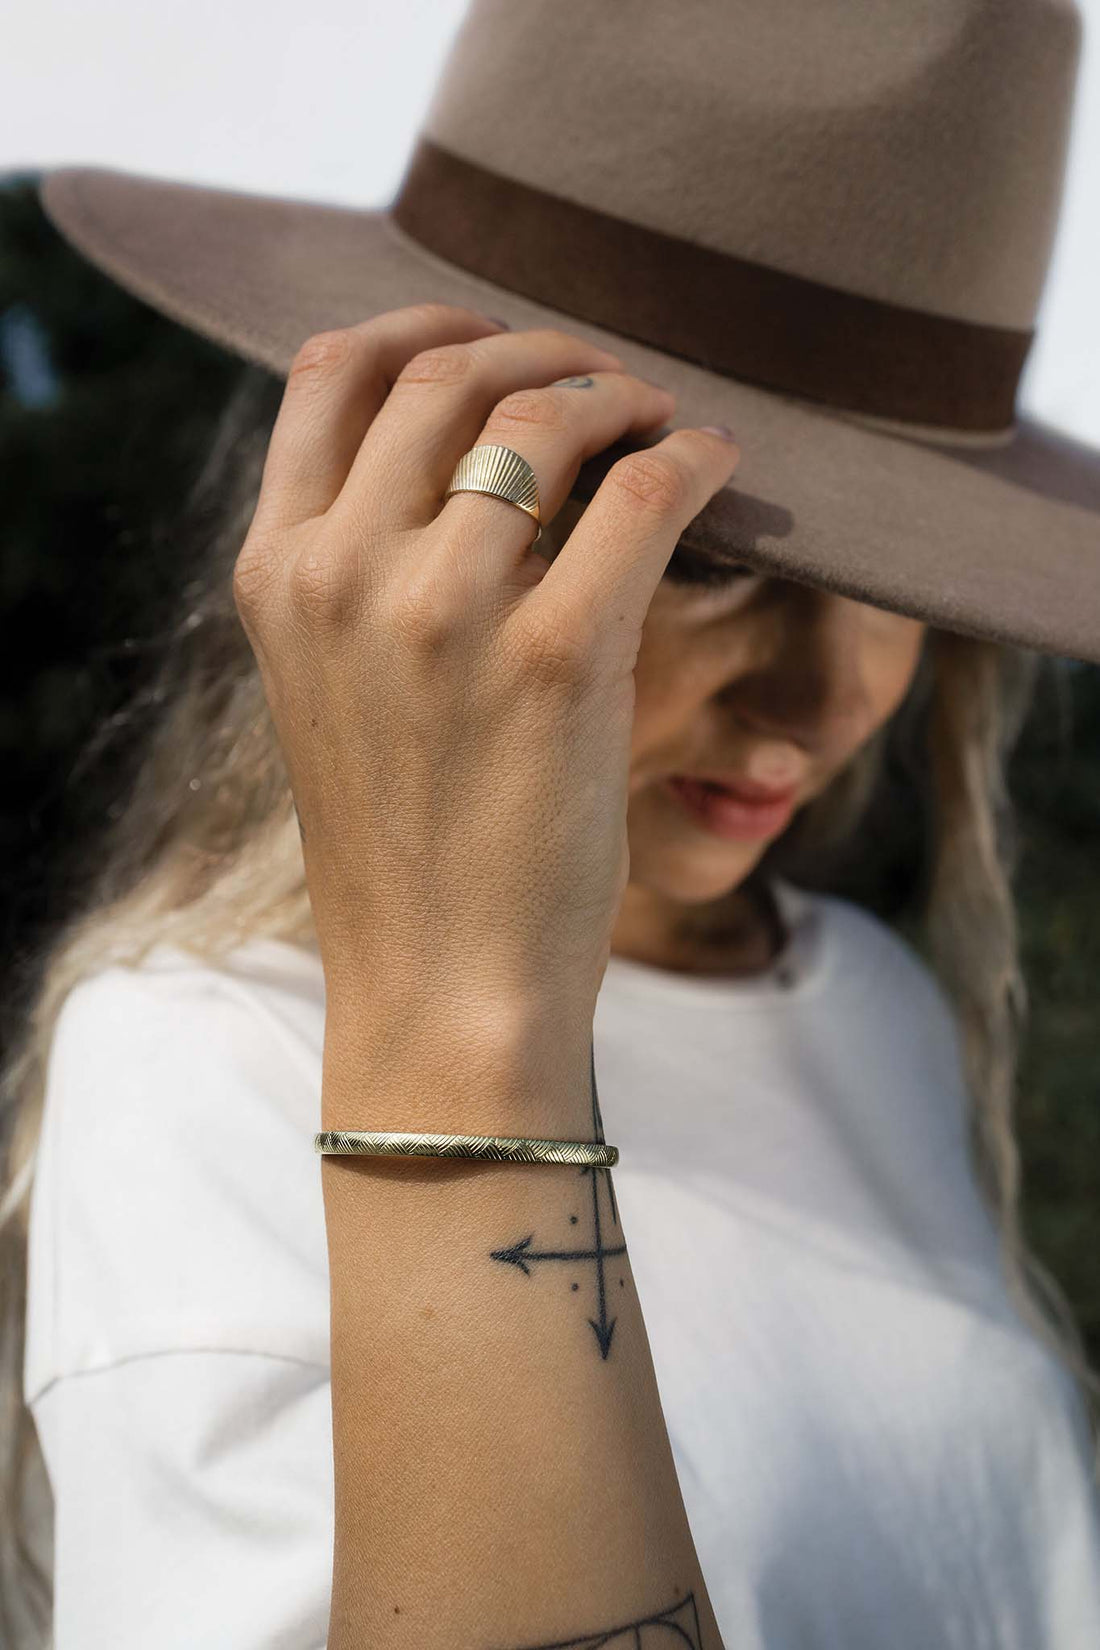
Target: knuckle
(545, 407)
(440, 364)
(655, 480)
(552, 651)
(557, 337)
(431, 313)
(322, 587)
(253, 577)
(416, 614)
(322, 353)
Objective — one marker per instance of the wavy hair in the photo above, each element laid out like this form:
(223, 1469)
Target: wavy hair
(202, 852)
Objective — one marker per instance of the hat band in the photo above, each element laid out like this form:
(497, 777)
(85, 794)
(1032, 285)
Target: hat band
(727, 314)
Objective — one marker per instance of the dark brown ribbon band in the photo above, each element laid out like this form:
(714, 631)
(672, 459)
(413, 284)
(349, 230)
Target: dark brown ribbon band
(724, 313)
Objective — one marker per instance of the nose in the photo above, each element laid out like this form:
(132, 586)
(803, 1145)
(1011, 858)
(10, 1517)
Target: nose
(806, 684)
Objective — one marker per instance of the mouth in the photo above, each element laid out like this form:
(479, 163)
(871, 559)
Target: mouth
(735, 809)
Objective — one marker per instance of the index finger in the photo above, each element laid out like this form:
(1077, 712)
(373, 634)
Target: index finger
(603, 579)
(335, 387)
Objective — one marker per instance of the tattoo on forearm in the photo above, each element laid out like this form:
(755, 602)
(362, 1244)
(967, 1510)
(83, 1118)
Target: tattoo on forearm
(522, 1256)
(678, 1624)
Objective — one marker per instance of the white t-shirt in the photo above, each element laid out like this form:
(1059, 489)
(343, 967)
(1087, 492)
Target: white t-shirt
(873, 1449)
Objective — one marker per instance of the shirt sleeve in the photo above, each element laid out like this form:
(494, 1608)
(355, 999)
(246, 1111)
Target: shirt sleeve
(193, 1503)
(177, 1201)
(177, 1358)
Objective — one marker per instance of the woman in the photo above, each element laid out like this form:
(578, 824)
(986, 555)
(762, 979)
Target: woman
(426, 834)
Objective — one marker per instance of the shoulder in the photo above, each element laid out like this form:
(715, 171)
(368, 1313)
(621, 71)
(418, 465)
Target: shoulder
(177, 1201)
(196, 1056)
(860, 942)
(873, 980)
(256, 971)
(175, 1012)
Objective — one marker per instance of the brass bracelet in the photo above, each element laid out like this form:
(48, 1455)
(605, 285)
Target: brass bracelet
(488, 1148)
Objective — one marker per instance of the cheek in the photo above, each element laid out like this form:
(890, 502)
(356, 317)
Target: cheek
(654, 667)
(675, 671)
(896, 659)
(665, 700)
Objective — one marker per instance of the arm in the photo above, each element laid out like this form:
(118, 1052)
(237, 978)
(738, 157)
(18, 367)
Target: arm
(456, 718)
(503, 1476)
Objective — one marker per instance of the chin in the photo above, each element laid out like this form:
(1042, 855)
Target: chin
(691, 876)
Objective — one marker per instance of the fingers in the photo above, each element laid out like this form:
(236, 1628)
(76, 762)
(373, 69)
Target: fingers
(335, 387)
(555, 429)
(594, 596)
(437, 409)
(374, 418)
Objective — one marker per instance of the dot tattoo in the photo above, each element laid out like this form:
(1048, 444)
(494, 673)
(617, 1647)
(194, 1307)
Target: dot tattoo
(525, 1256)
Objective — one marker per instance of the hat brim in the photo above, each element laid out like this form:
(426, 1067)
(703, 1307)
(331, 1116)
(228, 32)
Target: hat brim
(1000, 541)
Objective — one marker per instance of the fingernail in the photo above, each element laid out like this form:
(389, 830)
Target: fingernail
(718, 429)
(497, 322)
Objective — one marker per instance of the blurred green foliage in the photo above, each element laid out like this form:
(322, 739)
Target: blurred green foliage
(1055, 779)
(106, 412)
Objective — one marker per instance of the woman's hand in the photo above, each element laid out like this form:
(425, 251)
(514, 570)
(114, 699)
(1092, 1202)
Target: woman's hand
(455, 712)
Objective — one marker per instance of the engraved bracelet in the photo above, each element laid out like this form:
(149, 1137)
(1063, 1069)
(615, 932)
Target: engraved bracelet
(489, 1148)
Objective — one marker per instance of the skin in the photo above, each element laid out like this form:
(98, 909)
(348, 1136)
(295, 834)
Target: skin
(762, 676)
(474, 737)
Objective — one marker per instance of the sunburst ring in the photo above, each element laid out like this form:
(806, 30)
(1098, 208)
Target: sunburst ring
(501, 472)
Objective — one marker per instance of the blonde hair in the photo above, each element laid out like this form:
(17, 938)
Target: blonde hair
(204, 852)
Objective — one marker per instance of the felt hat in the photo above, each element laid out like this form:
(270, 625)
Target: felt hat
(826, 225)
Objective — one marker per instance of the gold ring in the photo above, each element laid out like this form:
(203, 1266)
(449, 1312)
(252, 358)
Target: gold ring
(501, 472)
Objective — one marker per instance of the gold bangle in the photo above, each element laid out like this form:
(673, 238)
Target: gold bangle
(489, 1148)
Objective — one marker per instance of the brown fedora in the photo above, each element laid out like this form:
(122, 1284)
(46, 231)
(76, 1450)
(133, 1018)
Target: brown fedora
(824, 224)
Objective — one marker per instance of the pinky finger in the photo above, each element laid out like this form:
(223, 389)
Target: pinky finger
(602, 581)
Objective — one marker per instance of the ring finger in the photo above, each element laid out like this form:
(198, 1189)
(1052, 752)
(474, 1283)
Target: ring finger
(555, 428)
(433, 413)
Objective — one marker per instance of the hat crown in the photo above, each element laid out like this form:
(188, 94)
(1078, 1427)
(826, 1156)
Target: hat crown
(824, 222)
(911, 153)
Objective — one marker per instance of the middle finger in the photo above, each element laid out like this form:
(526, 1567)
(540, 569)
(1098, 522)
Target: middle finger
(555, 429)
(436, 409)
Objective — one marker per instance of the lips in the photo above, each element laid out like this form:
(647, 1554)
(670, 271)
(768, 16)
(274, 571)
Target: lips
(745, 790)
(743, 812)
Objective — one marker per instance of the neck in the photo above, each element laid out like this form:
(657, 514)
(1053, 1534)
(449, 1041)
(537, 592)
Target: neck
(741, 934)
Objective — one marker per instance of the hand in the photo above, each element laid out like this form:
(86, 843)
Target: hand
(455, 712)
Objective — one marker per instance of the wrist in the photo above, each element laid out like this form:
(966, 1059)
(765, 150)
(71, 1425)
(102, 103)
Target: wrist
(480, 1069)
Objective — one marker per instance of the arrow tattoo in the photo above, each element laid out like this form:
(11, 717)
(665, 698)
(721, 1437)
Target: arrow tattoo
(522, 1255)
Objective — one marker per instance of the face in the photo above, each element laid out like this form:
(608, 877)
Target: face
(760, 681)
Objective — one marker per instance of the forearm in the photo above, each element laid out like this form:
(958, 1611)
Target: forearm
(503, 1476)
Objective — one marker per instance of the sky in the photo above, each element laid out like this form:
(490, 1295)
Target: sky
(322, 102)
